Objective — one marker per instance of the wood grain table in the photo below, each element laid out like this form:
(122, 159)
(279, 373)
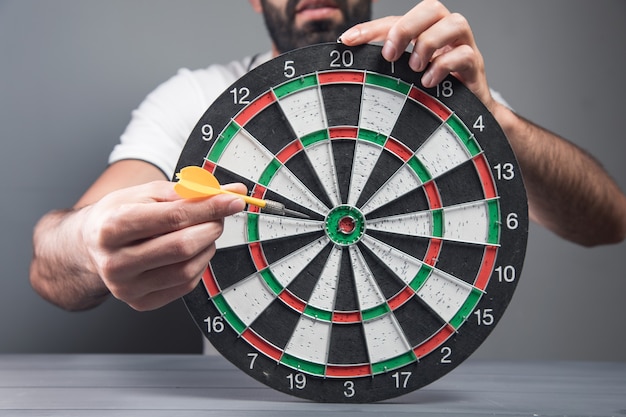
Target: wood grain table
(195, 385)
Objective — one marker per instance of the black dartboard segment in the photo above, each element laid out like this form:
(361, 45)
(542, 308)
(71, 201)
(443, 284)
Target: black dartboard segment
(416, 237)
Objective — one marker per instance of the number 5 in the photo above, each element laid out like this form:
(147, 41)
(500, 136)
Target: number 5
(289, 70)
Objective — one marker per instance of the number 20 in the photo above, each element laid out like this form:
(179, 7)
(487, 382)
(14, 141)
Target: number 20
(341, 59)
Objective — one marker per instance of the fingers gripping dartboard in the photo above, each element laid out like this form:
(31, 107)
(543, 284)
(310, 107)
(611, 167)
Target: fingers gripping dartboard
(416, 230)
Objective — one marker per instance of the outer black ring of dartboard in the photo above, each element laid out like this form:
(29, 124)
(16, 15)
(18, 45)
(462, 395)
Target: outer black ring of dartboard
(512, 199)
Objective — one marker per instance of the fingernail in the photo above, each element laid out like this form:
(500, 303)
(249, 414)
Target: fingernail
(427, 79)
(415, 62)
(349, 35)
(237, 205)
(389, 51)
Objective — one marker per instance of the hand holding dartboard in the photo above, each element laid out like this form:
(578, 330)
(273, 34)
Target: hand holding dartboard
(416, 233)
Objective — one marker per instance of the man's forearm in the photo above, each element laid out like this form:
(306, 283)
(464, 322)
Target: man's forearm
(59, 269)
(568, 190)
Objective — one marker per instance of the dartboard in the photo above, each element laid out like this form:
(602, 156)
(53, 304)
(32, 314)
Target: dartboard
(415, 230)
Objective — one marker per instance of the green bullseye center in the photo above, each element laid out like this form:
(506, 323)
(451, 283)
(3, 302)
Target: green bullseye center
(345, 225)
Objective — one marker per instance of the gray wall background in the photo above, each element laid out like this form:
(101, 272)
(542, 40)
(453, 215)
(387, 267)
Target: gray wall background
(71, 71)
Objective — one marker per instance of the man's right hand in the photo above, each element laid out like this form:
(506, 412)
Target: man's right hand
(143, 244)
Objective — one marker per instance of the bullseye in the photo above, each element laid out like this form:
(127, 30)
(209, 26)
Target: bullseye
(346, 225)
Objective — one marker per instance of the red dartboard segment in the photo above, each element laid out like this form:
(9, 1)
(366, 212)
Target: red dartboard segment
(256, 251)
(348, 371)
(434, 247)
(399, 149)
(485, 176)
(262, 345)
(291, 300)
(433, 195)
(289, 151)
(347, 317)
(254, 108)
(209, 282)
(343, 132)
(208, 165)
(430, 102)
(434, 342)
(258, 191)
(486, 267)
(341, 77)
(401, 298)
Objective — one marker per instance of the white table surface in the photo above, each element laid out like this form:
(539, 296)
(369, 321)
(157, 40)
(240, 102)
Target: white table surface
(194, 385)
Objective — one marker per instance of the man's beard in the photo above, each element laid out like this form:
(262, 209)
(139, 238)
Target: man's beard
(286, 37)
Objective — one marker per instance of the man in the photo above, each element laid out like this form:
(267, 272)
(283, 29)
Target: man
(131, 236)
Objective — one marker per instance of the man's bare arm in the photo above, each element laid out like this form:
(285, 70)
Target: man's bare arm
(130, 236)
(568, 190)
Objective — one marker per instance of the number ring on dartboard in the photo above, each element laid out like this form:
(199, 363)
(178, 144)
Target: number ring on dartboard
(416, 233)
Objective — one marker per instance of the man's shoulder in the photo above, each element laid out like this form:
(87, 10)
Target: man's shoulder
(230, 71)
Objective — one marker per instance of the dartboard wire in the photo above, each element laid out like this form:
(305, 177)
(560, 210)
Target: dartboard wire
(354, 193)
(332, 188)
(375, 82)
(360, 265)
(278, 282)
(329, 78)
(491, 201)
(244, 228)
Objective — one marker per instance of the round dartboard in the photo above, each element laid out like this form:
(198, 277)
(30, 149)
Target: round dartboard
(415, 230)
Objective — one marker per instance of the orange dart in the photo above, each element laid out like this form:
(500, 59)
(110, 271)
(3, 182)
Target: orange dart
(195, 182)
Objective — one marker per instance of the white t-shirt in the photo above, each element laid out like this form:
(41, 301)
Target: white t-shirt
(161, 124)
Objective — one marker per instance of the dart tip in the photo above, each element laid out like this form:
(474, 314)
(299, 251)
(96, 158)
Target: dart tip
(274, 207)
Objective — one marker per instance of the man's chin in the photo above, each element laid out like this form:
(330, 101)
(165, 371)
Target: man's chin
(318, 32)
